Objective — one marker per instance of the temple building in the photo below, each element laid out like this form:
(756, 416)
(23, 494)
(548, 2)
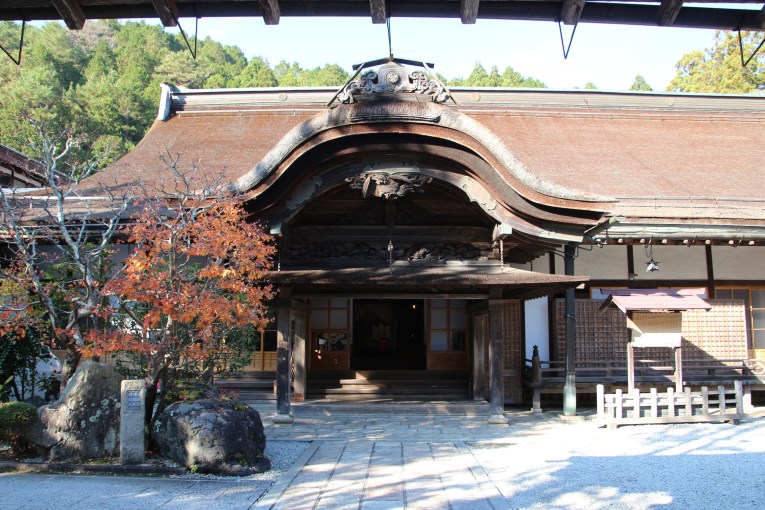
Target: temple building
(432, 242)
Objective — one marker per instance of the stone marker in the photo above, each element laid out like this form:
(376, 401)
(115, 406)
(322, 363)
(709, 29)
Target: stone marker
(132, 419)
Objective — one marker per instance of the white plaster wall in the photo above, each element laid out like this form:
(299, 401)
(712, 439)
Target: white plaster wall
(741, 263)
(675, 263)
(537, 327)
(601, 263)
(540, 264)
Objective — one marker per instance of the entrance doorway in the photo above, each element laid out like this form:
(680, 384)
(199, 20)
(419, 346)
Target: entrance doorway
(388, 334)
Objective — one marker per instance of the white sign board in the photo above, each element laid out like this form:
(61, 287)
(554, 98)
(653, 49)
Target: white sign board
(656, 329)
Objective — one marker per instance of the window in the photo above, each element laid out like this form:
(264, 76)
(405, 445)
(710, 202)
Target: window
(329, 324)
(754, 304)
(447, 325)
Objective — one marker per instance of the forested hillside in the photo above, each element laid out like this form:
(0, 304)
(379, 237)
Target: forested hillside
(102, 83)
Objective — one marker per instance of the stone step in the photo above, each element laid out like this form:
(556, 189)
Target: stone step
(371, 406)
(256, 395)
(254, 386)
(360, 383)
(388, 390)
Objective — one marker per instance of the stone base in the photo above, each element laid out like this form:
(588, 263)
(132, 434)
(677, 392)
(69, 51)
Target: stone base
(497, 419)
(536, 410)
(573, 418)
(283, 419)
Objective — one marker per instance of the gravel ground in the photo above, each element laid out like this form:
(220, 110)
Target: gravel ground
(636, 468)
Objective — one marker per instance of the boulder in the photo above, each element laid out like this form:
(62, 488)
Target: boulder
(212, 436)
(85, 422)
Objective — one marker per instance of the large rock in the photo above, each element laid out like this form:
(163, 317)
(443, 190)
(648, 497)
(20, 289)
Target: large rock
(85, 422)
(212, 436)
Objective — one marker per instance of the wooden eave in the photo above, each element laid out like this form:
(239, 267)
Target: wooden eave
(714, 15)
(425, 279)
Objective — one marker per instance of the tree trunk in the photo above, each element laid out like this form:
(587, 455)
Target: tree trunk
(71, 362)
(151, 398)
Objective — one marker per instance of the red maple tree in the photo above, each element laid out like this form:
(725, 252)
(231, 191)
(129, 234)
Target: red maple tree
(195, 277)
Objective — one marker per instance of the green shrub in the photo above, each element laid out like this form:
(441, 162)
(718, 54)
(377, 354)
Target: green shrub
(17, 420)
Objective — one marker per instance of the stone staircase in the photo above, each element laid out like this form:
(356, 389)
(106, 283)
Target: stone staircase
(251, 386)
(389, 385)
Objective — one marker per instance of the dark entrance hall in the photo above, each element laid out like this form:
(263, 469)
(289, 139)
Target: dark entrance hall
(388, 334)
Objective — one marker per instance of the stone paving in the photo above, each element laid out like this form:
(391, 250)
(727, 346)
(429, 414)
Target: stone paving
(381, 462)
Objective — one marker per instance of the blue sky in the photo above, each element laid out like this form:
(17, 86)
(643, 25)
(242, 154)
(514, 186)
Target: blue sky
(608, 55)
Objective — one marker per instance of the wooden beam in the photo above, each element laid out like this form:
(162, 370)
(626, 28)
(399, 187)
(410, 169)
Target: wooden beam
(270, 11)
(668, 11)
(571, 11)
(379, 10)
(71, 12)
(761, 17)
(469, 11)
(167, 12)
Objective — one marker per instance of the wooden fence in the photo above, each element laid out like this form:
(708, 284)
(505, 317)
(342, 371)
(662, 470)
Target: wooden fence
(541, 376)
(719, 404)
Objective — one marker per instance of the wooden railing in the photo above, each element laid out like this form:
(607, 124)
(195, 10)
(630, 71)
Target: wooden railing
(541, 371)
(542, 376)
(719, 404)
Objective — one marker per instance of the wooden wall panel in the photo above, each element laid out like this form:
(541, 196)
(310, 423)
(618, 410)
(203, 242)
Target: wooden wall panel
(513, 330)
(719, 333)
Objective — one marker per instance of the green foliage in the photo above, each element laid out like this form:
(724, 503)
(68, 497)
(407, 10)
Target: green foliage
(19, 353)
(186, 387)
(292, 75)
(640, 84)
(718, 69)
(16, 423)
(103, 82)
(256, 74)
(21, 345)
(15, 415)
(479, 77)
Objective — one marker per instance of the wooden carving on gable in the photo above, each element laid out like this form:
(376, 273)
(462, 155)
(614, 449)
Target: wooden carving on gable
(385, 185)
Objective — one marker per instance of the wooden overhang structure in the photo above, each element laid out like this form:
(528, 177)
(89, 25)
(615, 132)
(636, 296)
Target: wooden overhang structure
(675, 13)
(654, 318)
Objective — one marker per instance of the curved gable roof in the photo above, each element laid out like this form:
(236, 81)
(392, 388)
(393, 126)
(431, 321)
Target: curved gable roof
(662, 157)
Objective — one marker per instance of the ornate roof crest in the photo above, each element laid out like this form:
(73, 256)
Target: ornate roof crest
(392, 77)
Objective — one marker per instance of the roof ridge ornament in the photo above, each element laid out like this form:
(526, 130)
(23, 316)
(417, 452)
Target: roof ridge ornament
(393, 77)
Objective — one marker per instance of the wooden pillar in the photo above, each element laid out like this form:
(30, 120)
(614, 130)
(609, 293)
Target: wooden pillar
(479, 356)
(710, 272)
(283, 365)
(678, 369)
(299, 356)
(536, 379)
(496, 359)
(630, 265)
(569, 389)
(630, 367)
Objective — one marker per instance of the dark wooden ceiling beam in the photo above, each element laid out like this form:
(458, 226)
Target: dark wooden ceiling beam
(167, 12)
(379, 10)
(469, 11)
(270, 10)
(668, 11)
(761, 17)
(712, 16)
(71, 12)
(571, 11)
